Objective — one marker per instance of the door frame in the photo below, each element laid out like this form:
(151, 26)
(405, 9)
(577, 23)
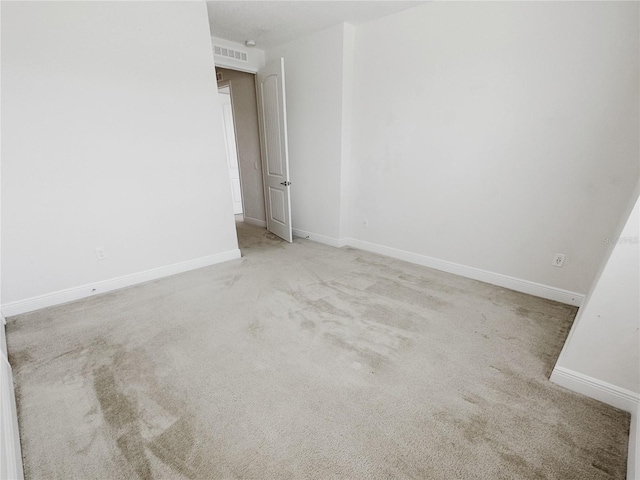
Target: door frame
(227, 84)
(220, 63)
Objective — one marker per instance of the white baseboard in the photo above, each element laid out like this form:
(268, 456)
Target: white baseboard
(592, 387)
(512, 283)
(255, 221)
(333, 242)
(76, 293)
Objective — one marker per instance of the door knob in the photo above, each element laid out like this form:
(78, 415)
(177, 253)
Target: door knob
(286, 184)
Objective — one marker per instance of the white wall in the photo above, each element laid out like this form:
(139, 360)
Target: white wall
(111, 136)
(348, 72)
(318, 128)
(494, 135)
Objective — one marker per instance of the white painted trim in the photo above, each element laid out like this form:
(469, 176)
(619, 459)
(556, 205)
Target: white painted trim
(512, 283)
(76, 293)
(3, 339)
(592, 387)
(255, 221)
(223, 62)
(316, 237)
(10, 453)
(633, 458)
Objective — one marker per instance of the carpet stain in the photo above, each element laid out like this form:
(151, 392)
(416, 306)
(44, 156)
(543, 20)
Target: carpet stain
(255, 328)
(474, 428)
(401, 293)
(601, 468)
(431, 285)
(548, 352)
(20, 358)
(608, 460)
(372, 357)
(320, 306)
(398, 317)
(121, 415)
(231, 282)
(473, 399)
(517, 462)
(308, 324)
(173, 446)
(76, 351)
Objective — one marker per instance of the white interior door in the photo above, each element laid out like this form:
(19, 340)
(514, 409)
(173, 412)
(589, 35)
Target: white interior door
(275, 154)
(232, 150)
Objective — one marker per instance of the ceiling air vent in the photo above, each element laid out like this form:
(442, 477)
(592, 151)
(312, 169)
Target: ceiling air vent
(229, 52)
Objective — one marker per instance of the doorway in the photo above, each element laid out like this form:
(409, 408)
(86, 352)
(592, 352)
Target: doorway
(243, 106)
(231, 147)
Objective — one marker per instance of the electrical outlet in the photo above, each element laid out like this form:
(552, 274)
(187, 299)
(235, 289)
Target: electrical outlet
(558, 260)
(100, 253)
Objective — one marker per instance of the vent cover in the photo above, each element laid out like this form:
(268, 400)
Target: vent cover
(229, 52)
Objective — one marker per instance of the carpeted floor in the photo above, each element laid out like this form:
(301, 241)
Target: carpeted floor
(305, 361)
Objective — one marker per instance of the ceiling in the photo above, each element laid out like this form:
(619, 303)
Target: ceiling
(272, 23)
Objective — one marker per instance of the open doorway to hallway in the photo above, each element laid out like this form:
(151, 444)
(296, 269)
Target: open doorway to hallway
(224, 89)
(242, 94)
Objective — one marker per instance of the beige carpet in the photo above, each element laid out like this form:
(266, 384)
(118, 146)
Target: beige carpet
(305, 361)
